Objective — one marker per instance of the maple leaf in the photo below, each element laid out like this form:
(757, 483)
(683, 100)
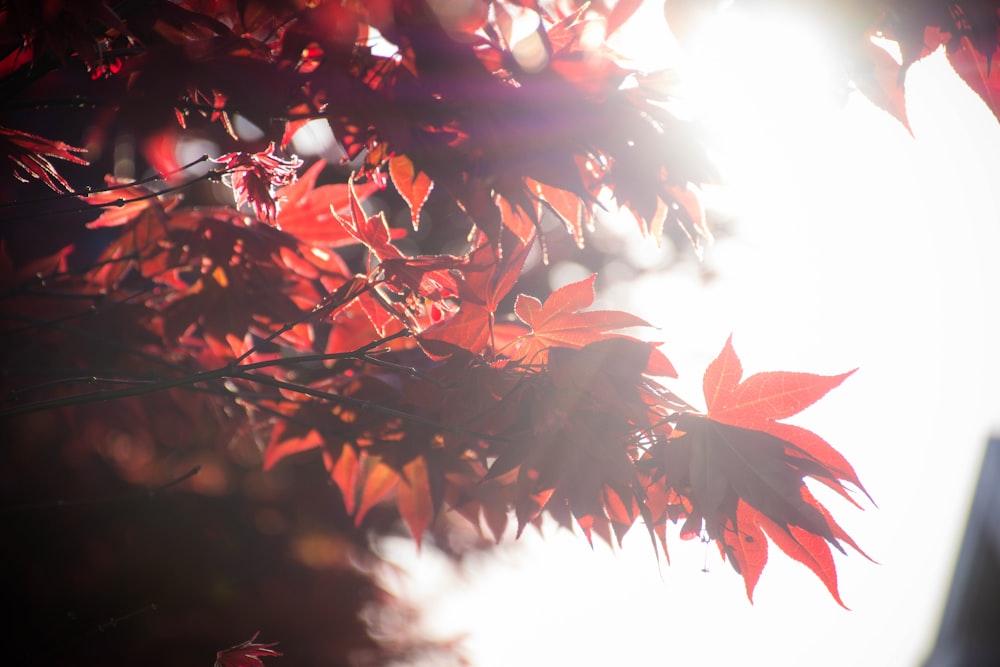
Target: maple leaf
(253, 177)
(573, 59)
(412, 185)
(245, 654)
(414, 501)
(284, 444)
(562, 322)
(486, 280)
(371, 230)
(144, 236)
(762, 397)
(30, 153)
(744, 541)
(743, 470)
(378, 480)
(753, 465)
(309, 212)
(366, 480)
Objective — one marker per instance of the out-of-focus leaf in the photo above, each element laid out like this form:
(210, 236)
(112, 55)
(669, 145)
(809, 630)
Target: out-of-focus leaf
(30, 153)
(414, 498)
(245, 654)
(879, 78)
(378, 481)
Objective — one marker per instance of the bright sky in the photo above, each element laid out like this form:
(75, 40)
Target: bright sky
(856, 245)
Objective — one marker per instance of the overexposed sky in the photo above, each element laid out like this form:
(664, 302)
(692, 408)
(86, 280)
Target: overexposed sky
(855, 245)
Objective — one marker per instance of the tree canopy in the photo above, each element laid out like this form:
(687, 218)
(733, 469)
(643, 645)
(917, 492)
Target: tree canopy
(227, 366)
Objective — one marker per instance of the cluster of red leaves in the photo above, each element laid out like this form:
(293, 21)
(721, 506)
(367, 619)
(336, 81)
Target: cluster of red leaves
(415, 389)
(254, 176)
(403, 372)
(449, 109)
(558, 413)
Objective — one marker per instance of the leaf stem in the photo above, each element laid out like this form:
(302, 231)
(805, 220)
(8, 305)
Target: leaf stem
(213, 175)
(244, 372)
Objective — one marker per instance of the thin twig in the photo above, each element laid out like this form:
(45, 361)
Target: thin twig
(87, 191)
(321, 308)
(213, 175)
(13, 394)
(408, 370)
(230, 371)
(362, 404)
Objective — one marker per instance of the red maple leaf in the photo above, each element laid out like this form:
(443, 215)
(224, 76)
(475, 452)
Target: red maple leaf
(743, 471)
(763, 398)
(253, 177)
(245, 654)
(367, 480)
(309, 212)
(486, 280)
(413, 186)
(124, 202)
(569, 207)
(371, 230)
(562, 322)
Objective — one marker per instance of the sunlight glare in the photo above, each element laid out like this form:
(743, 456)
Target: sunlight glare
(760, 87)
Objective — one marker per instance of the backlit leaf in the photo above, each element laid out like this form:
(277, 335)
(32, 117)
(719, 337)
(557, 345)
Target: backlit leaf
(414, 498)
(412, 185)
(30, 154)
(879, 77)
(807, 548)
(746, 545)
(378, 481)
(743, 471)
(561, 322)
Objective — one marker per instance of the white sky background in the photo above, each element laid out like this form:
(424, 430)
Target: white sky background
(856, 245)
